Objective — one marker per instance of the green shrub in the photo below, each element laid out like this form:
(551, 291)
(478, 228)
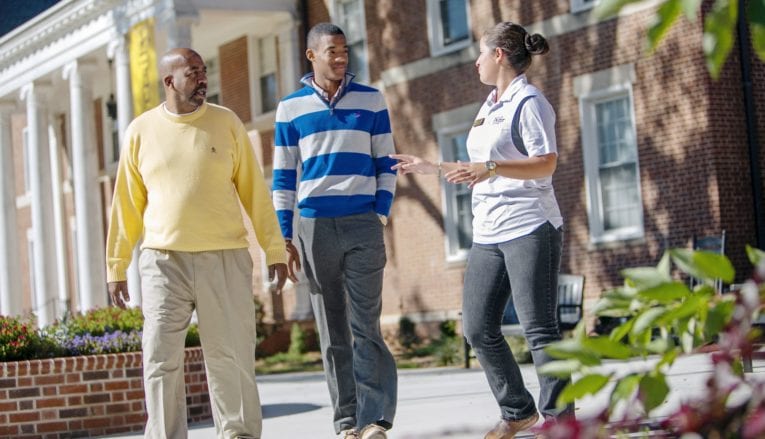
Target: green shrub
(297, 341)
(407, 335)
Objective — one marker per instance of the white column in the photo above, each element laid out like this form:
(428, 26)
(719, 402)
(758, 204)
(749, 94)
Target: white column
(91, 263)
(44, 270)
(61, 303)
(10, 271)
(118, 51)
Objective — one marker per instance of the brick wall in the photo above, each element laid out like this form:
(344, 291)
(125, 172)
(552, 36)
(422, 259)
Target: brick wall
(690, 138)
(235, 78)
(87, 396)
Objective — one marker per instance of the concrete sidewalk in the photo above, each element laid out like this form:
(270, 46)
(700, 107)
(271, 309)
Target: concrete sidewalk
(440, 403)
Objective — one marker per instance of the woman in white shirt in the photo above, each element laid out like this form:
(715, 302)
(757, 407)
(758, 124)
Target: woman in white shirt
(517, 226)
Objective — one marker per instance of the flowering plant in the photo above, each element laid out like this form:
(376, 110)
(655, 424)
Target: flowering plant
(664, 317)
(99, 331)
(20, 340)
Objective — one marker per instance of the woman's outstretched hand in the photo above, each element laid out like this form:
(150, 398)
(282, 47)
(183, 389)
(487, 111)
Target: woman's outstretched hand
(408, 164)
(470, 173)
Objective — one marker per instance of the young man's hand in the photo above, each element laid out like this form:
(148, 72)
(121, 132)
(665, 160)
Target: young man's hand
(293, 261)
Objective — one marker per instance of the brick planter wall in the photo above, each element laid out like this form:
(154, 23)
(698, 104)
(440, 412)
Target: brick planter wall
(87, 396)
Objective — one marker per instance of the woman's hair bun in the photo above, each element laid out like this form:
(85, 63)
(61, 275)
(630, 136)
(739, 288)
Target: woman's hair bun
(536, 44)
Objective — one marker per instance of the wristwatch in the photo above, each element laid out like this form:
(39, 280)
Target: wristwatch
(491, 166)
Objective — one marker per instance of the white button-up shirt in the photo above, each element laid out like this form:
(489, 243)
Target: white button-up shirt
(508, 208)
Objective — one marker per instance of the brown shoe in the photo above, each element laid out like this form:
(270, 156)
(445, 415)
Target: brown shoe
(508, 429)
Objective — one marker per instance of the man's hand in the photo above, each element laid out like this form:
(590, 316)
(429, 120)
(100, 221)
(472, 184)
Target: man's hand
(119, 293)
(280, 270)
(293, 261)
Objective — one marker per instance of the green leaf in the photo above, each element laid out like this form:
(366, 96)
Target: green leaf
(587, 385)
(560, 368)
(609, 8)
(667, 292)
(624, 389)
(704, 264)
(658, 346)
(686, 341)
(756, 256)
(645, 320)
(691, 8)
(622, 330)
(719, 34)
(645, 277)
(667, 359)
(665, 265)
(605, 347)
(652, 391)
(691, 306)
(719, 316)
(612, 307)
(664, 19)
(756, 14)
(572, 349)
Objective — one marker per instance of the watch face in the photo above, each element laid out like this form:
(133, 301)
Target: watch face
(491, 165)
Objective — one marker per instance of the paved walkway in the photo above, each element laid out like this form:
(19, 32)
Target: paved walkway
(438, 403)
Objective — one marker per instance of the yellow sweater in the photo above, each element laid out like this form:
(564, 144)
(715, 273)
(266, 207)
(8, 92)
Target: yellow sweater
(179, 184)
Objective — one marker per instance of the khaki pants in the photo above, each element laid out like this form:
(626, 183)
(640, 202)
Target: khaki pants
(218, 284)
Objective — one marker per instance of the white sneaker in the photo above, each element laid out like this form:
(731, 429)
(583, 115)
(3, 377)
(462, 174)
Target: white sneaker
(351, 433)
(373, 431)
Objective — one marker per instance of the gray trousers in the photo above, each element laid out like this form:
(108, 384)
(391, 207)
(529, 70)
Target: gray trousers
(344, 261)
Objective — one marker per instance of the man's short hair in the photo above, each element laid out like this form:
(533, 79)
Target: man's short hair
(320, 30)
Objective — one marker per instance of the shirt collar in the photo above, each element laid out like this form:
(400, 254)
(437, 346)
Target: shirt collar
(515, 86)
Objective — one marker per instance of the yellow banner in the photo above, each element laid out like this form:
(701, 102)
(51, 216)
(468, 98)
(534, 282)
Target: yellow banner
(143, 67)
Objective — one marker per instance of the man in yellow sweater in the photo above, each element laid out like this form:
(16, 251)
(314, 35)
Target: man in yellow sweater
(185, 167)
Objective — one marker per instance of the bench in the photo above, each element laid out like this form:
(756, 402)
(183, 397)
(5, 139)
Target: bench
(570, 311)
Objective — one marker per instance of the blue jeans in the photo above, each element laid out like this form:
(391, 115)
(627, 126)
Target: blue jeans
(344, 261)
(527, 268)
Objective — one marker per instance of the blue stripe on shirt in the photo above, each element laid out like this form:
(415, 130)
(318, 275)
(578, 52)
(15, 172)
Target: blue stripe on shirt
(320, 121)
(285, 135)
(284, 179)
(285, 222)
(384, 164)
(339, 163)
(383, 201)
(334, 206)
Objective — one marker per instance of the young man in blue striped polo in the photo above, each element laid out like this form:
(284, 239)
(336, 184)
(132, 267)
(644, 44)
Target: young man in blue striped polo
(337, 132)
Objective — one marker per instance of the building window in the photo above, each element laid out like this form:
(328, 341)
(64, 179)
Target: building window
(612, 171)
(458, 217)
(582, 5)
(448, 25)
(349, 15)
(213, 80)
(452, 128)
(268, 61)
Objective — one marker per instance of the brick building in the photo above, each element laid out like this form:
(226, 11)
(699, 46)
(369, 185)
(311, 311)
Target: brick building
(652, 151)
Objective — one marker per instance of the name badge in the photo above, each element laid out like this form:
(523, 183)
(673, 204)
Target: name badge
(478, 122)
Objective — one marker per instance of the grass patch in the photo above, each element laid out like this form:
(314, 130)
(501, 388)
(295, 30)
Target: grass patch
(285, 362)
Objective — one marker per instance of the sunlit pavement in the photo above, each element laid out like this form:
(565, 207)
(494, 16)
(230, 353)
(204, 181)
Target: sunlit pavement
(437, 403)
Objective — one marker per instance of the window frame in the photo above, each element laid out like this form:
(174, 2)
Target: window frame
(582, 5)
(362, 75)
(590, 152)
(436, 30)
(454, 253)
